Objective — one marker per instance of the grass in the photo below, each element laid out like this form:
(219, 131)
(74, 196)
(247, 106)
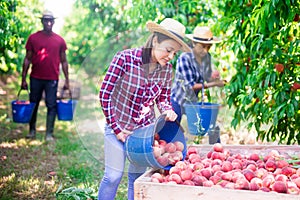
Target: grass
(69, 168)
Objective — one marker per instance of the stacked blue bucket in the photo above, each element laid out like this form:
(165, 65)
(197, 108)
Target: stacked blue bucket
(138, 146)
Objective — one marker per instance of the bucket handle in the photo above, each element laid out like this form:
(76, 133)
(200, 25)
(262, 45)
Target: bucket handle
(20, 93)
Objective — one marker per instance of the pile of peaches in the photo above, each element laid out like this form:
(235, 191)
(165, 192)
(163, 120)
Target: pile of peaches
(220, 167)
(167, 153)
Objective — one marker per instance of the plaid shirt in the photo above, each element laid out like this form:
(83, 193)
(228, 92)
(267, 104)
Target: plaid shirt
(128, 93)
(188, 73)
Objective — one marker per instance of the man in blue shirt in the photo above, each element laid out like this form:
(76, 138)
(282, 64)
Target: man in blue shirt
(194, 71)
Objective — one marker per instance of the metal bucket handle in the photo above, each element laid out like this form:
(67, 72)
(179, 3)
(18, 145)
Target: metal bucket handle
(20, 93)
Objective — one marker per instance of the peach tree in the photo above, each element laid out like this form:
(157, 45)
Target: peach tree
(265, 38)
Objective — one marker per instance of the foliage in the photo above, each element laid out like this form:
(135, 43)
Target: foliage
(73, 193)
(113, 27)
(265, 38)
(17, 21)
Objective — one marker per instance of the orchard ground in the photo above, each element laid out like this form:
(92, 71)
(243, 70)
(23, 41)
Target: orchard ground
(34, 169)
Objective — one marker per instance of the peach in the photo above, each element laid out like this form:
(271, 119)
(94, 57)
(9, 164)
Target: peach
(208, 183)
(280, 187)
(252, 167)
(218, 147)
(226, 176)
(270, 165)
(226, 166)
(254, 157)
(162, 142)
(175, 157)
(297, 181)
(198, 180)
(268, 181)
(215, 179)
(193, 158)
(292, 188)
(229, 185)
(282, 163)
(179, 145)
(163, 160)
(216, 168)
(242, 184)
(186, 174)
(208, 155)
(175, 170)
(257, 181)
(170, 147)
(192, 150)
(188, 182)
(281, 177)
(157, 176)
(176, 178)
(181, 165)
(253, 186)
(260, 172)
(157, 151)
(249, 174)
(206, 172)
(288, 171)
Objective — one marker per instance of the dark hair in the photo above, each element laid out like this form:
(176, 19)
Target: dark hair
(146, 55)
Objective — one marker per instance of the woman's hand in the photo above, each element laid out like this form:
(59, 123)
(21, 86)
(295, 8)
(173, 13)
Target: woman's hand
(123, 135)
(170, 115)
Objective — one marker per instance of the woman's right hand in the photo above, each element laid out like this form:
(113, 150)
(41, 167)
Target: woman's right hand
(123, 135)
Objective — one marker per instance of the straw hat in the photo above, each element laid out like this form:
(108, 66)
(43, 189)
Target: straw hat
(47, 14)
(172, 29)
(203, 35)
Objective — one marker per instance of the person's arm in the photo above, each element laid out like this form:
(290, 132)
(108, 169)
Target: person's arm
(216, 83)
(25, 67)
(65, 68)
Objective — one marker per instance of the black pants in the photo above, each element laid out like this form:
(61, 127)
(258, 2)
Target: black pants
(37, 87)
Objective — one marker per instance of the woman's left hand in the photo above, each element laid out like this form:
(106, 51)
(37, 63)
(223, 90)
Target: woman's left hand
(170, 115)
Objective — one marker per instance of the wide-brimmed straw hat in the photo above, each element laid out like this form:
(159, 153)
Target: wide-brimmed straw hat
(47, 14)
(171, 28)
(203, 35)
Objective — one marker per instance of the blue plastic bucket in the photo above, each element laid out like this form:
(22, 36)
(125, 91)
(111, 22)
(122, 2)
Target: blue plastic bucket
(201, 117)
(22, 111)
(65, 109)
(138, 146)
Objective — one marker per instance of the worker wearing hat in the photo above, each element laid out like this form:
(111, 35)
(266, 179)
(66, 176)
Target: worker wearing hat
(136, 80)
(45, 51)
(194, 71)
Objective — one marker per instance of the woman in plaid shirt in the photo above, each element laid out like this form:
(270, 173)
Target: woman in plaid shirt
(135, 81)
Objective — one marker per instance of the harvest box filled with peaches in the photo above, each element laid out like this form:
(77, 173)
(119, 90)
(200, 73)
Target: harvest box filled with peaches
(248, 172)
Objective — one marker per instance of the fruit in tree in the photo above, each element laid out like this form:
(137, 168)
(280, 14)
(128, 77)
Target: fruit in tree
(295, 86)
(279, 67)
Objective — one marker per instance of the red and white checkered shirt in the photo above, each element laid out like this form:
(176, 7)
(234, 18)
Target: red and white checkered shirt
(128, 93)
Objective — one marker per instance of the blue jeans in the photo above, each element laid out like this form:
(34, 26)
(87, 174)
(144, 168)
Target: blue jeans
(115, 158)
(177, 109)
(37, 87)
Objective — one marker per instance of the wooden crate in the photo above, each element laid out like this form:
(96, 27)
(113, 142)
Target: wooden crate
(144, 189)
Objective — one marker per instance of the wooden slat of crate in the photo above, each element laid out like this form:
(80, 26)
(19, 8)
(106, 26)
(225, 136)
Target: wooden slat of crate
(144, 189)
